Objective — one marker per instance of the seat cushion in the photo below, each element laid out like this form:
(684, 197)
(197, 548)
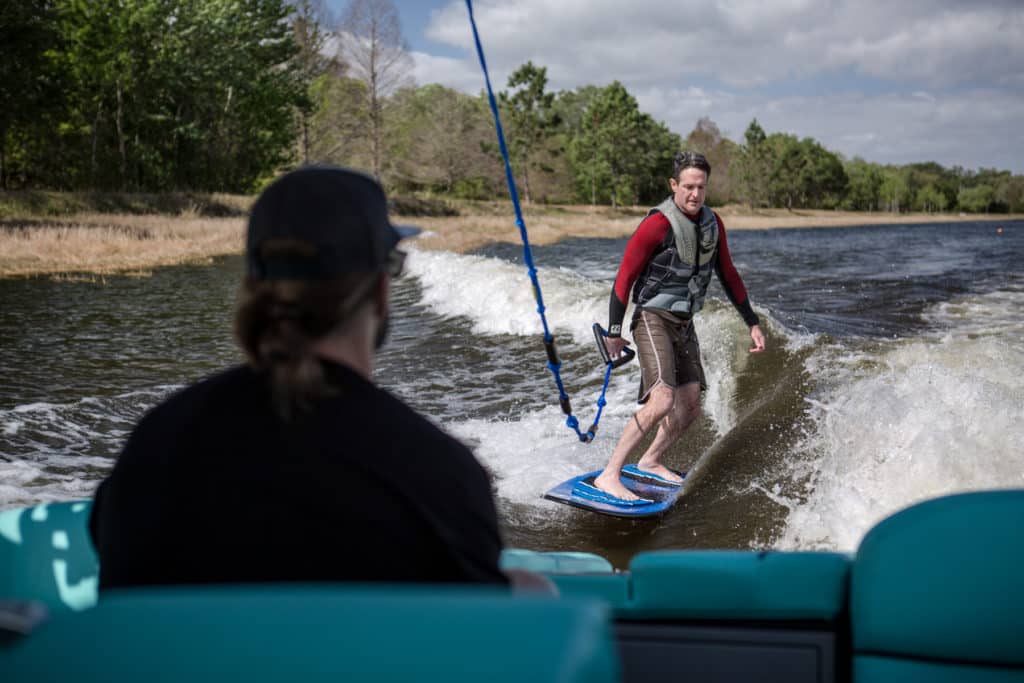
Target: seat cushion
(553, 562)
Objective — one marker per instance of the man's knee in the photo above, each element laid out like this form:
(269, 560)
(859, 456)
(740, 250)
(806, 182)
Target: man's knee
(686, 403)
(659, 402)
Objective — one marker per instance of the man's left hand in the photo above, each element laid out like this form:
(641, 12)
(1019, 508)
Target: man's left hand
(757, 336)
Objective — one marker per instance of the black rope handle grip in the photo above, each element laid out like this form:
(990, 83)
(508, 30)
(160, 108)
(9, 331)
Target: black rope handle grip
(627, 353)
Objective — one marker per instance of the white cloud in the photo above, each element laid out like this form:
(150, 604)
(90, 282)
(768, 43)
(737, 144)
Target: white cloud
(968, 46)
(970, 129)
(745, 42)
(459, 74)
(935, 79)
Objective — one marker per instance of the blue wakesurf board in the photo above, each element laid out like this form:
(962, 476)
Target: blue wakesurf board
(657, 495)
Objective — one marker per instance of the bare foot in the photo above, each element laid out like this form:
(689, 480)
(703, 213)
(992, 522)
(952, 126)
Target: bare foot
(610, 483)
(660, 470)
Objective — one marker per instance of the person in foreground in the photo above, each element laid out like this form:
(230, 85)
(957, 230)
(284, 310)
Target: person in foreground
(670, 259)
(294, 466)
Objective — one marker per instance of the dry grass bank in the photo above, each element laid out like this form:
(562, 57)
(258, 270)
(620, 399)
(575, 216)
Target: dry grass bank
(104, 243)
(480, 223)
(741, 218)
(113, 243)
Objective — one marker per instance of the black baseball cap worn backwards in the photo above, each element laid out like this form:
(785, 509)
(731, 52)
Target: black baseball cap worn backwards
(332, 220)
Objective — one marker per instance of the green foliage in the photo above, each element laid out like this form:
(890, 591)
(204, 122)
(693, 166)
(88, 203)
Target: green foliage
(976, 199)
(1014, 194)
(532, 119)
(162, 94)
(1000, 182)
(618, 153)
(895, 193)
(473, 188)
(929, 199)
(753, 166)
(338, 129)
(930, 174)
(312, 63)
(657, 148)
(864, 191)
(220, 95)
(439, 143)
(804, 174)
(28, 88)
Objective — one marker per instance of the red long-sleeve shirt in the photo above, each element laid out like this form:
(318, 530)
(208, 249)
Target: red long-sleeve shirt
(648, 237)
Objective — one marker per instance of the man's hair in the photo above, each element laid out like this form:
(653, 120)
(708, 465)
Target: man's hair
(685, 160)
(278, 321)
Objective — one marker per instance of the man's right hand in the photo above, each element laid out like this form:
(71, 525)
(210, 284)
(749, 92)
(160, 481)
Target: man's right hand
(615, 346)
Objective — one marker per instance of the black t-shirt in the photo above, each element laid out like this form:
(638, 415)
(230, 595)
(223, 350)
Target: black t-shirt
(213, 487)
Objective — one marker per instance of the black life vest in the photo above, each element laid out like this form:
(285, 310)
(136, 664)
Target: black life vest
(677, 276)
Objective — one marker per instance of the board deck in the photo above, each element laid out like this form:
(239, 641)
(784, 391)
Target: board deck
(576, 492)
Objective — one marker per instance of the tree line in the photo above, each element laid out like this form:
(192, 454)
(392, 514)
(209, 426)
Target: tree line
(221, 95)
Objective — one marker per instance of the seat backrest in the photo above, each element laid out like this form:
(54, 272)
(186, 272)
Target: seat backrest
(739, 585)
(46, 555)
(317, 634)
(721, 615)
(937, 592)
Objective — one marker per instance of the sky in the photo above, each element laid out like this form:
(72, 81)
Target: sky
(890, 81)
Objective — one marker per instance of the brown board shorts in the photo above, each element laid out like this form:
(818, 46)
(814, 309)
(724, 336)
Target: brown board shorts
(668, 350)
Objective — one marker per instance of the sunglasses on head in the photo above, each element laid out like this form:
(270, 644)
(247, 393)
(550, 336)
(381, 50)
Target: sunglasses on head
(684, 160)
(691, 159)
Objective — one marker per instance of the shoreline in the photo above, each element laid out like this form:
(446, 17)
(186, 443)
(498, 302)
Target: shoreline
(79, 245)
(547, 225)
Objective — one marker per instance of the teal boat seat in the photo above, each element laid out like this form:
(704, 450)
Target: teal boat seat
(727, 584)
(322, 633)
(553, 562)
(46, 556)
(718, 616)
(574, 573)
(937, 592)
(613, 588)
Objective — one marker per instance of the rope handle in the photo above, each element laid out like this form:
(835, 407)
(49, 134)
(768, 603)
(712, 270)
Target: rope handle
(627, 353)
(554, 364)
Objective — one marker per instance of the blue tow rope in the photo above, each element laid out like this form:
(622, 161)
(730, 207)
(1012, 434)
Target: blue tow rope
(554, 364)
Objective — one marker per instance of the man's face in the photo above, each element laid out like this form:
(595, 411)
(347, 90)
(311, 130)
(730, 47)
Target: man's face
(690, 189)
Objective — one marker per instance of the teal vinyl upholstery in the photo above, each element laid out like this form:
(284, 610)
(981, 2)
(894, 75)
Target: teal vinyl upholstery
(553, 562)
(611, 587)
(739, 585)
(867, 668)
(574, 573)
(46, 556)
(938, 588)
(721, 616)
(318, 634)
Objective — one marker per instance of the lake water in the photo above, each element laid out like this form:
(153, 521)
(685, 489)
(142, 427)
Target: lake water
(895, 373)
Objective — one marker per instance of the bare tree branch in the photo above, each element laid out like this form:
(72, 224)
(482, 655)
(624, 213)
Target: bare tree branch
(371, 40)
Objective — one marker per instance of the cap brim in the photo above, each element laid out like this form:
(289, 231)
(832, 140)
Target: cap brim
(407, 231)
